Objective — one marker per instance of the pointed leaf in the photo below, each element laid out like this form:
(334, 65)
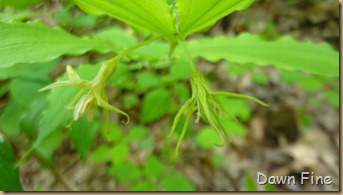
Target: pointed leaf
(151, 15)
(36, 42)
(153, 167)
(102, 154)
(9, 175)
(120, 154)
(48, 146)
(19, 4)
(126, 173)
(155, 105)
(177, 182)
(284, 53)
(196, 15)
(83, 134)
(207, 138)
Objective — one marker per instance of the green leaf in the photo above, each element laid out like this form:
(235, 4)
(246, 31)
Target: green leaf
(10, 16)
(48, 146)
(153, 167)
(4, 88)
(24, 90)
(36, 42)
(155, 105)
(260, 78)
(19, 3)
(144, 15)
(218, 160)
(120, 153)
(207, 138)
(82, 134)
(177, 182)
(102, 154)
(118, 37)
(84, 21)
(310, 83)
(36, 72)
(285, 53)
(130, 100)
(249, 183)
(137, 132)
(122, 76)
(143, 186)
(233, 127)
(269, 187)
(126, 173)
(32, 116)
(115, 132)
(55, 115)
(147, 80)
(237, 107)
(63, 16)
(307, 82)
(10, 119)
(181, 70)
(332, 97)
(304, 118)
(182, 92)
(153, 51)
(20, 113)
(9, 175)
(147, 143)
(197, 15)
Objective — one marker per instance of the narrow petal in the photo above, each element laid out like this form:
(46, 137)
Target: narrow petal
(179, 114)
(183, 132)
(75, 79)
(108, 124)
(225, 111)
(56, 84)
(75, 100)
(72, 75)
(79, 107)
(102, 103)
(91, 111)
(207, 113)
(242, 96)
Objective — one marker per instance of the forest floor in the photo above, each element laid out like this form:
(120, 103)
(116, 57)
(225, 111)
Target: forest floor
(277, 142)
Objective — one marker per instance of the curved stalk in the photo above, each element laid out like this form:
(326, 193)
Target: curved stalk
(188, 54)
(242, 96)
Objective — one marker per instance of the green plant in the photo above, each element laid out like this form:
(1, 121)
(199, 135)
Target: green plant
(29, 50)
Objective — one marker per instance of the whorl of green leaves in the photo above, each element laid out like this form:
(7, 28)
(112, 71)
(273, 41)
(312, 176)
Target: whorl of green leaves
(157, 15)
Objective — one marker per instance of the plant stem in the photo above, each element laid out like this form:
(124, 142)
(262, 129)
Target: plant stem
(108, 68)
(189, 56)
(131, 49)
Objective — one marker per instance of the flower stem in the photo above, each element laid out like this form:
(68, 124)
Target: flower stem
(189, 56)
(109, 66)
(131, 49)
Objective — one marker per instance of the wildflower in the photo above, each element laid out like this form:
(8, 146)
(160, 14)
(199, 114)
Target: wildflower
(206, 104)
(91, 93)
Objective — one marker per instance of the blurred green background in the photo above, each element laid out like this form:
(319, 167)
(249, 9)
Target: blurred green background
(299, 132)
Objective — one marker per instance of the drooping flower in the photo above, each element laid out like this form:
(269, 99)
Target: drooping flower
(206, 104)
(91, 93)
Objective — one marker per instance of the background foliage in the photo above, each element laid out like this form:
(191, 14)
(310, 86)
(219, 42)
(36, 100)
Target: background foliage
(151, 88)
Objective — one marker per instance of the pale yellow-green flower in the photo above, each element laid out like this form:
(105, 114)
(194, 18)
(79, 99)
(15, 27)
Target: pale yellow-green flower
(91, 93)
(206, 104)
